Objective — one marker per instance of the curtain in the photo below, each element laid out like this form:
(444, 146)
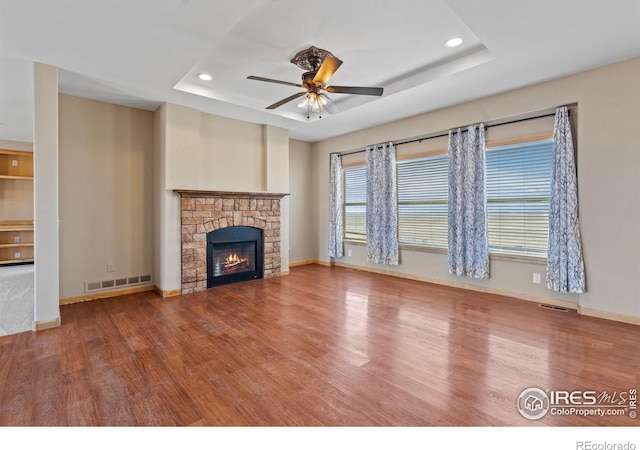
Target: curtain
(565, 266)
(335, 208)
(468, 243)
(382, 205)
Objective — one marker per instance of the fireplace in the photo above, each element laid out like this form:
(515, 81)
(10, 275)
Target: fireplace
(234, 254)
(203, 212)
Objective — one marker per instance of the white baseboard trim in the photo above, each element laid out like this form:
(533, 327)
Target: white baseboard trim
(46, 324)
(609, 315)
(312, 261)
(106, 294)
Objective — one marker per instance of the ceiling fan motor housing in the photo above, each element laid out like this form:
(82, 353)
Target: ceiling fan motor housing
(307, 79)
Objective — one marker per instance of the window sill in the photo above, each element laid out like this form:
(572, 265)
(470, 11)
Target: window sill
(443, 251)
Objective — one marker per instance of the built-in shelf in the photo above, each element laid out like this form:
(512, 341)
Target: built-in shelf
(16, 236)
(16, 165)
(16, 242)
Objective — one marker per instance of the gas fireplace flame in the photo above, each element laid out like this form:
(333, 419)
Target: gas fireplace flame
(233, 260)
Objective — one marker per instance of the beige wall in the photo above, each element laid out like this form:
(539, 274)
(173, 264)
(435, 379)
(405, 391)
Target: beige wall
(304, 222)
(608, 101)
(201, 151)
(17, 195)
(106, 192)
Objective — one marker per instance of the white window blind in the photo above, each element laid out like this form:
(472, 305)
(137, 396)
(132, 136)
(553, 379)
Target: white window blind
(422, 201)
(518, 180)
(355, 203)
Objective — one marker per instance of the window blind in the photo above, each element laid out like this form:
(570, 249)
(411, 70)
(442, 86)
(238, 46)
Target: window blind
(517, 188)
(422, 201)
(355, 203)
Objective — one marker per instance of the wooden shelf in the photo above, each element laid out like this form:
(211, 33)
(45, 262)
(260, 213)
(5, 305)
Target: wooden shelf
(16, 165)
(21, 244)
(14, 177)
(16, 236)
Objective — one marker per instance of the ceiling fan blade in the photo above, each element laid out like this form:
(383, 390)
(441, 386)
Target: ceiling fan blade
(326, 70)
(355, 90)
(270, 80)
(287, 100)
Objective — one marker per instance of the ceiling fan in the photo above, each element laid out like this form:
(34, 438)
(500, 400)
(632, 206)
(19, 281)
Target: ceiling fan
(320, 66)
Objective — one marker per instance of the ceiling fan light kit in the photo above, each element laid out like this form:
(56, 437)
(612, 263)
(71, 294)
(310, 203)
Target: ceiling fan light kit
(320, 65)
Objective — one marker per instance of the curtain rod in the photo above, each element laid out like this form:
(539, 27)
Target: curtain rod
(447, 133)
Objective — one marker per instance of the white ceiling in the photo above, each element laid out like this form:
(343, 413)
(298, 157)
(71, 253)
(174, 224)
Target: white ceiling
(145, 52)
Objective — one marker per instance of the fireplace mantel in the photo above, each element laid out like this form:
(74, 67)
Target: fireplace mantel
(186, 193)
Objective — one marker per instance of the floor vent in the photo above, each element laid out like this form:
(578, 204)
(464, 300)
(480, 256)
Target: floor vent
(553, 307)
(116, 283)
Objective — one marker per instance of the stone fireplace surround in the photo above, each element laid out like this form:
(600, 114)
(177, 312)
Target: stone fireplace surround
(205, 211)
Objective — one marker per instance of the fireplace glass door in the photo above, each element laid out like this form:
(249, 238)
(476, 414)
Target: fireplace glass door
(234, 254)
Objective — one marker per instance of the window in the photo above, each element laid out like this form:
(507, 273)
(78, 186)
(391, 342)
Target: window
(422, 201)
(518, 179)
(518, 186)
(355, 203)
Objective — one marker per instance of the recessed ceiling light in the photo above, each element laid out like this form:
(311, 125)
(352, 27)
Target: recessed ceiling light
(453, 42)
(205, 77)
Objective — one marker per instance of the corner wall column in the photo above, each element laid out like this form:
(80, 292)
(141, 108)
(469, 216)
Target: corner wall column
(46, 227)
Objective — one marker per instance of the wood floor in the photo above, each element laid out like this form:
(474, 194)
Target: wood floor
(320, 347)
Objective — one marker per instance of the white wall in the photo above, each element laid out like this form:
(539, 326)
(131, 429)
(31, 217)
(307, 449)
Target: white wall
(106, 192)
(608, 101)
(45, 153)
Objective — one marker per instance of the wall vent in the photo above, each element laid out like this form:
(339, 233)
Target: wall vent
(93, 286)
(116, 283)
(553, 307)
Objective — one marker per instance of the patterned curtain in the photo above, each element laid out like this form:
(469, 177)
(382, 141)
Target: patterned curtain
(335, 208)
(468, 248)
(382, 205)
(565, 266)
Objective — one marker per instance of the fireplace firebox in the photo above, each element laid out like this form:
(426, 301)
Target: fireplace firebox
(234, 254)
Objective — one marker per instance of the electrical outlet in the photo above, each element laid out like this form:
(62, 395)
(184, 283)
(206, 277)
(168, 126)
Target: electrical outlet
(536, 278)
(16, 255)
(349, 252)
(14, 162)
(16, 239)
(110, 267)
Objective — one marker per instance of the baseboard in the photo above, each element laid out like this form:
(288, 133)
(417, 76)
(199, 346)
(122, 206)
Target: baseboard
(169, 293)
(105, 294)
(633, 320)
(312, 261)
(302, 263)
(284, 273)
(46, 324)
(467, 286)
